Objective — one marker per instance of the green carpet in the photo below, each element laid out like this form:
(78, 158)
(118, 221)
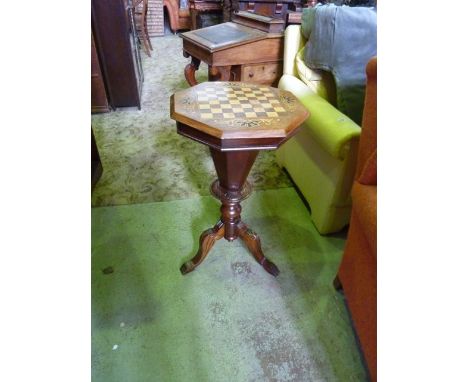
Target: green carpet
(228, 320)
(143, 157)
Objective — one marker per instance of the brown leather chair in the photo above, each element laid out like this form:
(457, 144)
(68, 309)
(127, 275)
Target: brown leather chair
(358, 270)
(179, 18)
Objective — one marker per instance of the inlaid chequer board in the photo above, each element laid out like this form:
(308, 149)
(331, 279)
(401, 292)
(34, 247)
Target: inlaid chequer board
(238, 102)
(233, 105)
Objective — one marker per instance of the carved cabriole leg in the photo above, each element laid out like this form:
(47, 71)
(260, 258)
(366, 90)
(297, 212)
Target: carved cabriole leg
(252, 240)
(190, 70)
(207, 240)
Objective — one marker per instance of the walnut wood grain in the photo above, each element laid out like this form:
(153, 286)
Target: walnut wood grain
(111, 25)
(207, 240)
(277, 115)
(270, 49)
(252, 240)
(99, 102)
(264, 73)
(190, 70)
(233, 144)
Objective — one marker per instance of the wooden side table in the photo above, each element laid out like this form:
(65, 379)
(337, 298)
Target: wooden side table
(234, 52)
(235, 120)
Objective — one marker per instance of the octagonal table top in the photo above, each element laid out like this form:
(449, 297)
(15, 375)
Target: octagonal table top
(237, 110)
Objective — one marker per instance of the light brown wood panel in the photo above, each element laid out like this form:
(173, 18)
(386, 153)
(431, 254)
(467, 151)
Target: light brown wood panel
(194, 50)
(268, 73)
(269, 49)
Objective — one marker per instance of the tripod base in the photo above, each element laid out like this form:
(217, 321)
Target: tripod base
(209, 237)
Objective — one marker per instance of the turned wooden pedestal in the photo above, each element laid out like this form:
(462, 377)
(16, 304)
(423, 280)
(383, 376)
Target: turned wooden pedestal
(231, 188)
(235, 120)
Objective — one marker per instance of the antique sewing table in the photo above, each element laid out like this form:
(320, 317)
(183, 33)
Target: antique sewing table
(236, 120)
(234, 52)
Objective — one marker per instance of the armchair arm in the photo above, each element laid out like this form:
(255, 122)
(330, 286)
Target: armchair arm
(293, 42)
(331, 128)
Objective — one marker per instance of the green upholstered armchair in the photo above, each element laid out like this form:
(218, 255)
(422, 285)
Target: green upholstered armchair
(321, 158)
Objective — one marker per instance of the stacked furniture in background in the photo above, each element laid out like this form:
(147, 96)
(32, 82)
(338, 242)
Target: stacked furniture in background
(358, 270)
(278, 8)
(179, 14)
(140, 12)
(155, 22)
(205, 13)
(321, 158)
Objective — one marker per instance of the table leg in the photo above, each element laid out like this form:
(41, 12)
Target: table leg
(207, 240)
(252, 240)
(231, 188)
(190, 70)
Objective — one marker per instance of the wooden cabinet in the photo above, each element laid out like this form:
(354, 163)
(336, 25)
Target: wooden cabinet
(117, 50)
(99, 102)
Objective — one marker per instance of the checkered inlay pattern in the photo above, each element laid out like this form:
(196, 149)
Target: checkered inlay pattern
(241, 102)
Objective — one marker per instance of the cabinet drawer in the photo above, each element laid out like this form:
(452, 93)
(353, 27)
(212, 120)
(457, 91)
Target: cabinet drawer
(265, 74)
